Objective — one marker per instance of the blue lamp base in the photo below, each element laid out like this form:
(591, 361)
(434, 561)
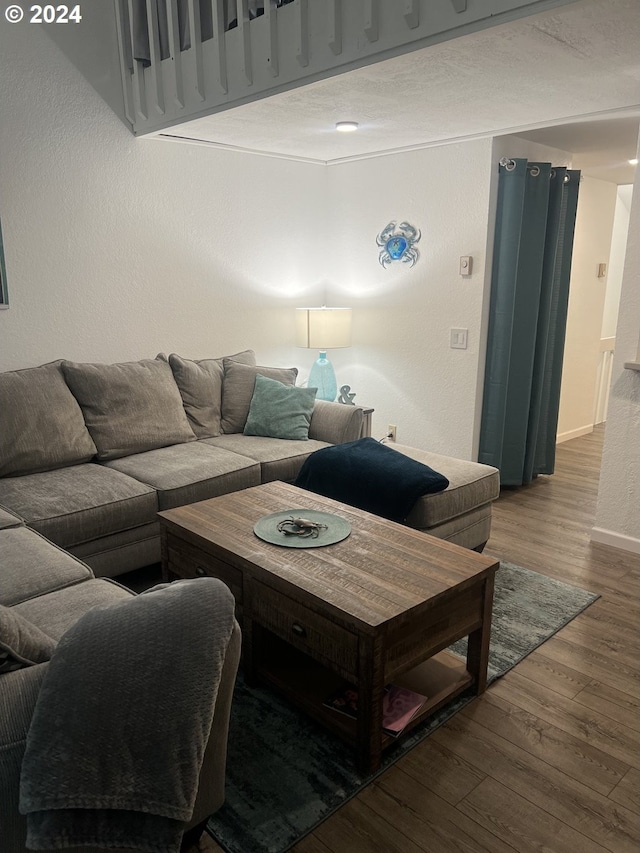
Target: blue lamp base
(323, 377)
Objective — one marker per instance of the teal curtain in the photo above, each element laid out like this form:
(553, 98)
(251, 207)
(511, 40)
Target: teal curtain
(535, 223)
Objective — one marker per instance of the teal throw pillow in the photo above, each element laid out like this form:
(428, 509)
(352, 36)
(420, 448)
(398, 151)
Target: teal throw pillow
(280, 411)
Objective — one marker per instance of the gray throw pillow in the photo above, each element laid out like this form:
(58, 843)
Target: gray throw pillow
(21, 642)
(129, 407)
(237, 390)
(200, 384)
(42, 425)
(280, 411)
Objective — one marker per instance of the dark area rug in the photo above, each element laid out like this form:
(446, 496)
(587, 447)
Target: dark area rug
(285, 774)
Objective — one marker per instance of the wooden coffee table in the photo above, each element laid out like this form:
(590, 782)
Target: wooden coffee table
(379, 607)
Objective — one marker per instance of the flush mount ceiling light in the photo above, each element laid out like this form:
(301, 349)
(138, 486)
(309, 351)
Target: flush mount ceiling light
(346, 126)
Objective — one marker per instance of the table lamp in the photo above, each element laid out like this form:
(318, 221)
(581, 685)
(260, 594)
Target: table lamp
(323, 329)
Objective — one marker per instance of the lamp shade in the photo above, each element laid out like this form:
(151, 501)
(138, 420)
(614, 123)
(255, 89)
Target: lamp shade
(323, 328)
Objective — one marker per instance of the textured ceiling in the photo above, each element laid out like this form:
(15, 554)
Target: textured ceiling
(570, 79)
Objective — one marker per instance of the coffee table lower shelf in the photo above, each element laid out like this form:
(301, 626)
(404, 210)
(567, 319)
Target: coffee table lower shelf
(307, 684)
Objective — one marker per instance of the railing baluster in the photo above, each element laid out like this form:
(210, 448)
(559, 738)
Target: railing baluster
(155, 71)
(126, 58)
(335, 27)
(371, 20)
(196, 45)
(139, 88)
(302, 48)
(412, 13)
(272, 25)
(242, 7)
(208, 77)
(174, 50)
(220, 45)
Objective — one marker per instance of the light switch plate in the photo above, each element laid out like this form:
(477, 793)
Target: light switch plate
(458, 338)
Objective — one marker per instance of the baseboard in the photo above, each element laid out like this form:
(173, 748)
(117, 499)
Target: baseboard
(574, 433)
(615, 540)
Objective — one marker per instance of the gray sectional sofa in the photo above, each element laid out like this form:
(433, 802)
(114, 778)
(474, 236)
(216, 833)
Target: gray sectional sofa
(89, 453)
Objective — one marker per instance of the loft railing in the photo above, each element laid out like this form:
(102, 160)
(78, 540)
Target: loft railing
(184, 59)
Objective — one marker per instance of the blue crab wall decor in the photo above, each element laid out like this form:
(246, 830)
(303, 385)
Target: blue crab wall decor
(397, 244)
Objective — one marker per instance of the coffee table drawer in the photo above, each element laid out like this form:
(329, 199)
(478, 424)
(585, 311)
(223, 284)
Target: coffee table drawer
(305, 629)
(189, 562)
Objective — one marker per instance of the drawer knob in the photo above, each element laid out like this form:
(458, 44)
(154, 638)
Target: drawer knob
(201, 572)
(299, 630)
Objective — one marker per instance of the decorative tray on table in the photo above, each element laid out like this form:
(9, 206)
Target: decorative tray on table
(302, 528)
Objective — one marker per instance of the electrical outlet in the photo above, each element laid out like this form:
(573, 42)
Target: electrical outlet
(391, 432)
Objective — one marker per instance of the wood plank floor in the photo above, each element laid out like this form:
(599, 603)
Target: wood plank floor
(548, 758)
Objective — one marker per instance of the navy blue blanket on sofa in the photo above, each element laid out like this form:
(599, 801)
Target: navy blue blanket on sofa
(370, 476)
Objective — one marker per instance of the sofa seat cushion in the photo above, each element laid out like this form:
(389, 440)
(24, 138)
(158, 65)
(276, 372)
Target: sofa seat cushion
(129, 407)
(470, 530)
(78, 504)
(57, 611)
(471, 485)
(279, 458)
(9, 519)
(200, 384)
(30, 565)
(121, 552)
(187, 473)
(42, 423)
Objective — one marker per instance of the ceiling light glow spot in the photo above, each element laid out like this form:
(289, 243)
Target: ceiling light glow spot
(633, 162)
(346, 126)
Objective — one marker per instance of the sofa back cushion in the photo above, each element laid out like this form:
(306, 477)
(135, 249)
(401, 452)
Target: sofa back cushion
(41, 423)
(129, 407)
(237, 390)
(200, 384)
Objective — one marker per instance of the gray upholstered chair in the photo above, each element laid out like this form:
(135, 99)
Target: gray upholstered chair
(43, 587)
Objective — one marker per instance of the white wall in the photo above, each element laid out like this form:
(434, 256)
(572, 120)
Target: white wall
(615, 268)
(592, 246)
(117, 248)
(401, 361)
(618, 514)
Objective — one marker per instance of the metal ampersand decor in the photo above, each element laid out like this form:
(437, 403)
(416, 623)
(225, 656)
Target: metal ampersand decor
(346, 395)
